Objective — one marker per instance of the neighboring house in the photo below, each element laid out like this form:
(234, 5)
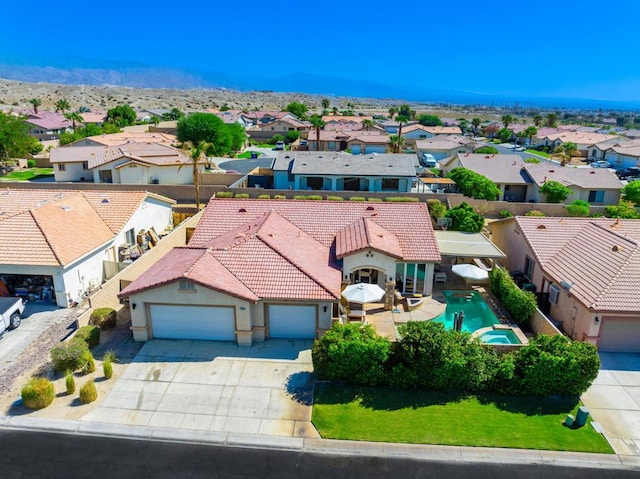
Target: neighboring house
(343, 172)
(130, 163)
(46, 125)
(587, 270)
(284, 126)
(519, 181)
(259, 269)
(94, 117)
(415, 132)
(262, 117)
(116, 139)
(330, 140)
(231, 116)
(60, 239)
(357, 141)
(445, 146)
(596, 152)
(583, 140)
(623, 155)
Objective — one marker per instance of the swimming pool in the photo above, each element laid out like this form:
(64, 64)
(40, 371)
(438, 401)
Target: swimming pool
(498, 336)
(477, 313)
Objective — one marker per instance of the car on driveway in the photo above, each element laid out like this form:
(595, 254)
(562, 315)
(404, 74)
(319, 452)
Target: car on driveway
(600, 164)
(11, 309)
(628, 173)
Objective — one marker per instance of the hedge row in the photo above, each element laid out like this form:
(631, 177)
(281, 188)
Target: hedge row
(429, 356)
(520, 304)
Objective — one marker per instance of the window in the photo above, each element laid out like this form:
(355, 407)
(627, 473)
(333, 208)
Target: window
(332, 145)
(61, 167)
(554, 293)
(596, 196)
(85, 165)
(187, 285)
(130, 236)
(105, 176)
(315, 182)
(528, 268)
(390, 184)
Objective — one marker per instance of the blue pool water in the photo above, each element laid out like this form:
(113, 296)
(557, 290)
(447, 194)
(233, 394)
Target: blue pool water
(477, 313)
(497, 336)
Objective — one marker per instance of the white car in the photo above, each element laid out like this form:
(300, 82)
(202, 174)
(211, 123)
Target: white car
(600, 164)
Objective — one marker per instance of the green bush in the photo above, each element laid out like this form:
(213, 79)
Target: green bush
(520, 304)
(437, 208)
(578, 208)
(69, 356)
(474, 185)
(487, 150)
(107, 369)
(464, 218)
(357, 198)
(241, 195)
(88, 392)
(224, 194)
(104, 318)
(299, 197)
(534, 213)
(314, 197)
(31, 163)
(624, 210)
(401, 199)
(38, 393)
(555, 365)
(279, 197)
(90, 335)
(264, 197)
(554, 191)
(335, 198)
(90, 363)
(70, 382)
(374, 200)
(505, 214)
(353, 353)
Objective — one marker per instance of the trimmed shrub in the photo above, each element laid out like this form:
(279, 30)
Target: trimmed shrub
(437, 209)
(107, 369)
(224, 194)
(70, 382)
(38, 393)
(374, 200)
(505, 214)
(69, 356)
(464, 218)
(474, 185)
(335, 198)
(534, 213)
(279, 197)
(90, 363)
(578, 208)
(299, 197)
(401, 199)
(103, 318)
(241, 195)
(264, 197)
(520, 304)
(90, 335)
(88, 392)
(31, 163)
(353, 353)
(315, 197)
(357, 198)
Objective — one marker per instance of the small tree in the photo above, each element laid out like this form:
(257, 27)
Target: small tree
(555, 191)
(530, 132)
(325, 103)
(507, 120)
(437, 209)
(396, 143)
(298, 109)
(504, 135)
(487, 150)
(291, 137)
(318, 124)
(624, 210)
(464, 218)
(62, 105)
(474, 185)
(578, 208)
(430, 120)
(35, 102)
(537, 119)
(552, 120)
(476, 122)
(121, 116)
(631, 192)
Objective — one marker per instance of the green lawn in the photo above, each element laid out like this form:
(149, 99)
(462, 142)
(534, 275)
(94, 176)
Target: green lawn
(539, 153)
(28, 174)
(246, 154)
(434, 417)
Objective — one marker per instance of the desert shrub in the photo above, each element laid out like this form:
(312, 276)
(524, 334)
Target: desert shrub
(104, 318)
(505, 214)
(624, 210)
(335, 198)
(314, 197)
(264, 197)
(31, 163)
(401, 199)
(88, 392)
(357, 198)
(90, 335)
(69, 356)
(279, 197)
(374, 200)
(107, 363)
(241, 195)
(534, 213)
(90, 363)
(38, 393)
(224, 194)
(554, 191)
(578, 208)
(487, 150)
(555, 365)
(353, 353)
(437, 208)
(107, 369)
(300, 197)
(520, 304)
(70, 382)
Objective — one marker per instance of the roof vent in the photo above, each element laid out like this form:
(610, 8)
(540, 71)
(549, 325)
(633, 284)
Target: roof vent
(105, 200)
(552, 171)
(592, 172)
(66, 208)
(370, 208)
(616, 248)
(242, 210)
(541, 227)
(389, 166)
(487, 156)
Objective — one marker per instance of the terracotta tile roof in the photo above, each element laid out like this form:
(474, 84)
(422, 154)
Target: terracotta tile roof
(366, 234)
(77, 154)
(116, 139)
(322, 220)
(436, 130)
(48, 120)
(445, 142)
(578, 137)
(502, 169)
(343, 119)
(569, 176)
(599, 257)
(143, 152)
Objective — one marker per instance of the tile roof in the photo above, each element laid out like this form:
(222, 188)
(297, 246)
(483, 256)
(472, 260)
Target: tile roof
(143, 152)
(343, 119)
(584, 178)
(436, 130)
(445, 142)
(599, 257)
(116, 139)
(362, 165)
(48, 120)
(365, 234)
(578, 137)
(501, 169)
(76, 154)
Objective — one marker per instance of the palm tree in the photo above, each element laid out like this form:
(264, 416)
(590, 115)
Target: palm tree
(368, 124)
(73, 117)
(565, 152)
(196, 154)
(476, 122)
(537, 119)
(507, 120)
(62, 105)
(392, 112)
(401, 119)
(318, 123)
(531, 131)
(36, 102)
(552, 120)
(325, 103)
(396, 143)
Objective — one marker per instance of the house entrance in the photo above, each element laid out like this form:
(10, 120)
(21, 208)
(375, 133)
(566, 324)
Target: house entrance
(365, 275)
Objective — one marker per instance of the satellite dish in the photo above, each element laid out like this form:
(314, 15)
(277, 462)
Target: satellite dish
(566, 286)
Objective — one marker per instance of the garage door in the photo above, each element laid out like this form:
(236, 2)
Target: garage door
(620, 336)
(295, 322)
(192, 322)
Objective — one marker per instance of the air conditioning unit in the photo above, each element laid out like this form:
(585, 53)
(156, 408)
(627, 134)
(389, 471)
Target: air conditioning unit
(554, 293)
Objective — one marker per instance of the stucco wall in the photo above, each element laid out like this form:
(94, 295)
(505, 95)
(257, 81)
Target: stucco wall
(540, 324)
(72, 172)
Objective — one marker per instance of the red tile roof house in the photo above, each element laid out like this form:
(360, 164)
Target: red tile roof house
(258, 269)
(46, 125)
(589, 267)
(66, 236)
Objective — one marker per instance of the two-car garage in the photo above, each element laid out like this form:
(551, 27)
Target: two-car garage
(618, 334)
(287, 321)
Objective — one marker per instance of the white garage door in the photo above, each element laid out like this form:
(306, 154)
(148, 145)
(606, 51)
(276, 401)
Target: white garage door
(192, 322)
(296, 322)
(620, 336)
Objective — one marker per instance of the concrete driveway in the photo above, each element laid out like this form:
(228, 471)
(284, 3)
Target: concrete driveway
(614, 401)
(215, 386)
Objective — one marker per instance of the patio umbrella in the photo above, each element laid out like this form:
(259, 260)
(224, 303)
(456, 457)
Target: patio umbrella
(362, 293)
(470, 273)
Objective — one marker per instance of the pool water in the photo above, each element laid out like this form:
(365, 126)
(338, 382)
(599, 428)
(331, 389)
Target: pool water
(477, 313)
(505, 336)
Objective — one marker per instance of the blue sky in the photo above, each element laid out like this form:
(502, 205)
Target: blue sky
(561, 48)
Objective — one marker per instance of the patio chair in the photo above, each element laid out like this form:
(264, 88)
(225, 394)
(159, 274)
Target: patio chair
(359, 314)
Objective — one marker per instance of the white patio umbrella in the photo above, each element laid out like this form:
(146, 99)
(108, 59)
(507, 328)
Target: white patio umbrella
(470, 273)
(363, 293)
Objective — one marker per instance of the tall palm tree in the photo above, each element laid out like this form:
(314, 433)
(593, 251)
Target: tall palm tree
(552, 120)
(197, 154)
(368, 124)
(325, 103)
(531, 131)
(396, 143)
(476, 122)
(35, 102)
(318, 123)
(62, 105)
(537, 119)
(335, 111)
(401, 119)
(392, 112)
(74, 117)
(565, 152)
(507, 120)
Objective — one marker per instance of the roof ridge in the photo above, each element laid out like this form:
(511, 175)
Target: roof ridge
(45, 237)
(616, 233)
(615, 277)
